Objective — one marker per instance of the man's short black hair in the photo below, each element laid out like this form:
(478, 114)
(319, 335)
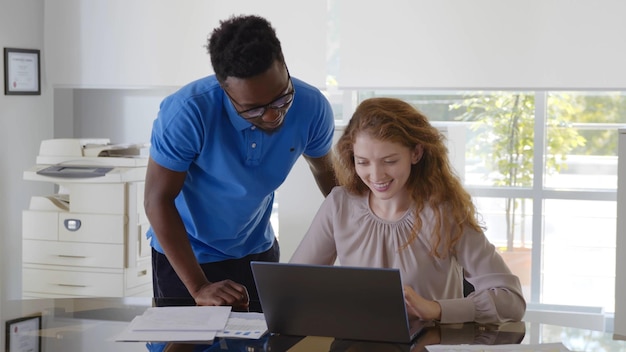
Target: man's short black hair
(243, 47)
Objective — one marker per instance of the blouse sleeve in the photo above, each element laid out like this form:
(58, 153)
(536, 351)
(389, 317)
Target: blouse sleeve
(318, 244)
(498, 296)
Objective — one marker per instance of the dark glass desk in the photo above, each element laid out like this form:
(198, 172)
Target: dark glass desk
(91, 324)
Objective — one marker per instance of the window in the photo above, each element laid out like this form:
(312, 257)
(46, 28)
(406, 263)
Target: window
(540, 164)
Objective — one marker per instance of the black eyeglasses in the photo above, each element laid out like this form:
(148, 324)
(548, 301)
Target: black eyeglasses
(282, 102)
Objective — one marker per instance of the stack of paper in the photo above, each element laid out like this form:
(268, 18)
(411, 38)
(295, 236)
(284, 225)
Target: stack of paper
(193, 324)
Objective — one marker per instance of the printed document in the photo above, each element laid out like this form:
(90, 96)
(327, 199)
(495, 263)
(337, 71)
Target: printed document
(184, 323)
(193, 324)
(244, 326)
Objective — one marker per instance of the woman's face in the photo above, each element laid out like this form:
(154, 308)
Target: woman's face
(384, 166)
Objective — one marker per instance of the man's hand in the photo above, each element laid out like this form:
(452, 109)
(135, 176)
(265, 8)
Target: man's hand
(420, 307)
(223, 293)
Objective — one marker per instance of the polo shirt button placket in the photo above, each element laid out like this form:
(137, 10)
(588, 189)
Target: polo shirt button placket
(253, 136)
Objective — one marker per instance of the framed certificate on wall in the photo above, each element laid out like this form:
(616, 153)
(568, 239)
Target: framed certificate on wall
(22, 334)
(21, 72)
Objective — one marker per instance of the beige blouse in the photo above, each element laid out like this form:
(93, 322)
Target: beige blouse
(346, 229)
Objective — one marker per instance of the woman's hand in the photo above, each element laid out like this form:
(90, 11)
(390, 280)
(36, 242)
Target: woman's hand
(420, 307)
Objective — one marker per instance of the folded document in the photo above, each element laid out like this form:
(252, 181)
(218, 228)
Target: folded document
(193, 324)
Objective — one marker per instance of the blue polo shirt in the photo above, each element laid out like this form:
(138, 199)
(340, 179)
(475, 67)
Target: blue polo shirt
(233, 168)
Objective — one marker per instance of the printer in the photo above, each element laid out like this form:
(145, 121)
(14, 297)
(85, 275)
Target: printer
(88, 238)
(87, 158)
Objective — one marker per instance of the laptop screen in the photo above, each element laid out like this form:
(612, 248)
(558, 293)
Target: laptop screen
(342, 302)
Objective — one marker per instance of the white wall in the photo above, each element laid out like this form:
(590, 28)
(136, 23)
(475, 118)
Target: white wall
(122, 115)
(24, 122)
(148, 43)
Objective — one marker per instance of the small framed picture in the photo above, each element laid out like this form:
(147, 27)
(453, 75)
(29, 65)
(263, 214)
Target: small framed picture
(21, 72)
(22, 334)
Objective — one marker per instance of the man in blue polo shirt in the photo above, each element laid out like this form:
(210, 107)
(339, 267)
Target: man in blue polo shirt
(221, 146)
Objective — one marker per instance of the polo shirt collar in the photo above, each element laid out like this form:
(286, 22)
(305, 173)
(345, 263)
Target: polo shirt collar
(238, 122)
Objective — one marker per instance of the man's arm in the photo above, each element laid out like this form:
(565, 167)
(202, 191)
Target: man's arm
(161, 189)
(322, 170)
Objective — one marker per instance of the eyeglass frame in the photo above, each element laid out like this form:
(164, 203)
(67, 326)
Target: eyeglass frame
(270, 105)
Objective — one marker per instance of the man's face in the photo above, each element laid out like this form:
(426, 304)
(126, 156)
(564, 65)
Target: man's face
(263, 99)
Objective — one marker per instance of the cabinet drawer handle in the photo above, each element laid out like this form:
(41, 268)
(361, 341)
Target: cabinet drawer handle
(69, 285)
(142, 273)
(72, 256)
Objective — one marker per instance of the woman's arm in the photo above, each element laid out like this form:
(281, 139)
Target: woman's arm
(498, 293)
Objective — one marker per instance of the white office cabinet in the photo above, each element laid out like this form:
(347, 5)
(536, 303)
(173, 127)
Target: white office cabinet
(620, 245)
(89, 238)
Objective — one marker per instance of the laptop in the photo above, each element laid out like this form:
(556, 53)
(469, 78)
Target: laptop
(351, 303)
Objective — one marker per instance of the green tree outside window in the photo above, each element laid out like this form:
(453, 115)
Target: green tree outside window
(504, 122)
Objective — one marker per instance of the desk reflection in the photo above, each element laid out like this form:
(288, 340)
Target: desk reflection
(91, 324)
(452, 334)
(470, 333)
